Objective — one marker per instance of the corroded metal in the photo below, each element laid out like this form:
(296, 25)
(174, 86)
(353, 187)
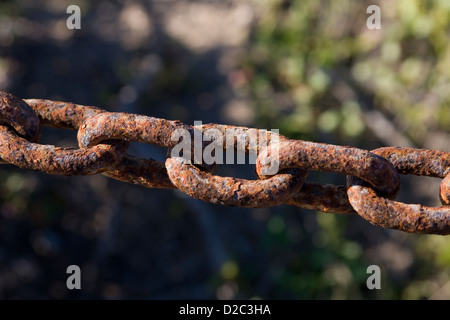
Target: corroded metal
(419, 162)
(103, 137)
(231, 191)
(444, 195)
(338, 159)
(23, 153)
(129, 127)
(248, 134)
(145, 172)
(396, 215)
(59, 114)
(61, 161)
(234, 191)
(322, 197)
(19, 115)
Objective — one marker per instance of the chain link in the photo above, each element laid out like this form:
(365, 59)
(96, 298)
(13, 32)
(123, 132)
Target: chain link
(373, 179)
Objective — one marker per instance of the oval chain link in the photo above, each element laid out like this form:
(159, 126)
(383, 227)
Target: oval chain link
(372, 176)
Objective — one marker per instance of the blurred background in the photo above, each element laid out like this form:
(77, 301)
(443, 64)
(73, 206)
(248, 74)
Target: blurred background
(310, 68)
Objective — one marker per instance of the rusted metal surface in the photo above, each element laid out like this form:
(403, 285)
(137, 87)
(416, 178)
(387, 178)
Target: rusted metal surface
(231, 134)
(96, 124)
(148, 173)
(338, 159)
(396, 215)
(54, 160)
(59, 114)
(323, 197)
(23, 153)
(231, 191)
(444, 195)
(16, 113)
(234, 191)
(103, 137)
(129, 127)
(419, 162)
(390, 214)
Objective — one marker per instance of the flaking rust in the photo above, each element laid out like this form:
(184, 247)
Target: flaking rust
(19, 115)
(372, 182)
(396, 215)
(419, 162)
(129, 127)
(25, 120)
(231, 191)
(445, 190)
(323, 197)
(60, 114)
(105, 156)
(327, 198)
(60, 161)
(338, 159)
(234, 191)
(145, 172)
(391, 214)
(252, 136)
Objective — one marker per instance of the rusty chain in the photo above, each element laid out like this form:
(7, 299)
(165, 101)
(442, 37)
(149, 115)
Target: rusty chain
(373, 179)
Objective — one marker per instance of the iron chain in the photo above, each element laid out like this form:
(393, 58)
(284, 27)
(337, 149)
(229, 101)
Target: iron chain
(103, 138)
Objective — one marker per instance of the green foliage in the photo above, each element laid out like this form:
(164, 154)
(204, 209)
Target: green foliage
(313, 70)
(308, 60)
